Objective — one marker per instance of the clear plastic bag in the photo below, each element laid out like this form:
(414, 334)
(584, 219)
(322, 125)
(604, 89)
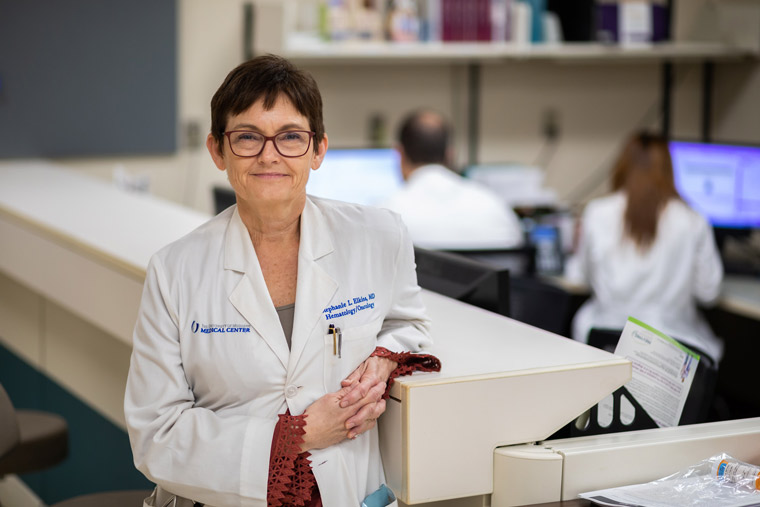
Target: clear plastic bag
(719, 481)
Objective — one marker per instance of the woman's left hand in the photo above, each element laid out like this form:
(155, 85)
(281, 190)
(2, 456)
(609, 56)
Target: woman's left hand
(374, 370)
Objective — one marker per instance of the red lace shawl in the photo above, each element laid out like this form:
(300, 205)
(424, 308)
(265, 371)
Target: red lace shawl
(291, 481)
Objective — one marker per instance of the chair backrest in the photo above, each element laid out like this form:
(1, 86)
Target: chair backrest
(605, 339)
(696, 409)
(697, 405)
(540, 304)
(9, 431)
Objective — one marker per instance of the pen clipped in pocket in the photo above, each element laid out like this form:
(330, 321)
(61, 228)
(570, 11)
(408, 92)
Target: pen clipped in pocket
(345, 351)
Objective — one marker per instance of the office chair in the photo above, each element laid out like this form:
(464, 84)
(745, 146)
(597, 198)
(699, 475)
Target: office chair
(605, 339)
(540, 304)
(9, 432)
(702, 393)
(110, 499)
(30, 440)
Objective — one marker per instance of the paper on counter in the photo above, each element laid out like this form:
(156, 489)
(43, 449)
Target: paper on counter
(663, 371)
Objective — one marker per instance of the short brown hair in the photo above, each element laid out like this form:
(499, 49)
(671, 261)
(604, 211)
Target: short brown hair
(266, 78)
(644, 171)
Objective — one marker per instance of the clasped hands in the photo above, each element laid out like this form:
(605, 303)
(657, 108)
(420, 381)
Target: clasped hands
(350, 411)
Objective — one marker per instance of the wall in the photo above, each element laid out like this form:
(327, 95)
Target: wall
(597, 105)
(76, 81)
(210, 45)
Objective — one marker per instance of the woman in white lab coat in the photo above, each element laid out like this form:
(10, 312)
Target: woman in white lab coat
(266, 338)
(646, 253)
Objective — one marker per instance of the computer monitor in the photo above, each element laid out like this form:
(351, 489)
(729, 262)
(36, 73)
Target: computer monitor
(720, 181)
(518, 260)
(362, 176)
(224, 197)
(477, 283)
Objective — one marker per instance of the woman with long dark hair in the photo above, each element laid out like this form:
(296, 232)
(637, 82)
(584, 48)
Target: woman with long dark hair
(646, 253)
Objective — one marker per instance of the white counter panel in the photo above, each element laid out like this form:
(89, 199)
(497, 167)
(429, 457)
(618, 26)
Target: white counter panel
(85, 285)
(619, 459)
(123, 227)
(502, 382)
(82, 243)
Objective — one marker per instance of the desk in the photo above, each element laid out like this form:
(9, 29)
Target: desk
(52, 217)
(739, 294)
(736, 319)
(60, 254)
(494, 368)
(503, 382)
(72, 265)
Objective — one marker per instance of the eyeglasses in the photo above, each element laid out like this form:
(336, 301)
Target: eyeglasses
(291, 143)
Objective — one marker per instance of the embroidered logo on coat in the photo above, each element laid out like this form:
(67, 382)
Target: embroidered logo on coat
(219, 328)
(350, 306)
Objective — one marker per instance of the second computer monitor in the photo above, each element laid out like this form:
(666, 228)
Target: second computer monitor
(720, 181)
(477, 283)
(363, 176)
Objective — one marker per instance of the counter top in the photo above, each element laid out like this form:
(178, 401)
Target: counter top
(739, 294)
(119, 227)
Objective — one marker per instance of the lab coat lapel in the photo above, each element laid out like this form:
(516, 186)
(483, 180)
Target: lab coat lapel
(250, 296)
(315, 287)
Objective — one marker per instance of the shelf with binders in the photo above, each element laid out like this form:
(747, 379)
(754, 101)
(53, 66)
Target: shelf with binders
(297, 29)
(725, 34)
(351, 52)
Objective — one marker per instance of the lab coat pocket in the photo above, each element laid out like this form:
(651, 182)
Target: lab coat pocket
(343, 355)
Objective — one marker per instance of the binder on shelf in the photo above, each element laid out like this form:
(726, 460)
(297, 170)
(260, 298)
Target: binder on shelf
(467, 20)
(430, 30)
(632, 21)
(500, 20)
(537, 8)
(404, 23)
(577, 19)
(483, 20)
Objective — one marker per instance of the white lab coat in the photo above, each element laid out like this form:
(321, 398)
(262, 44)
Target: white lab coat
(445, 211)
(211, 368)
(661, 286)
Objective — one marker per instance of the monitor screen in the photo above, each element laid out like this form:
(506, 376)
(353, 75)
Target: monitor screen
(720, 181)
(477, 283)
(518, 260)
(362, 176)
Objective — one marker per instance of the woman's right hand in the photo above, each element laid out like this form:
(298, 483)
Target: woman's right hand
(326, 420)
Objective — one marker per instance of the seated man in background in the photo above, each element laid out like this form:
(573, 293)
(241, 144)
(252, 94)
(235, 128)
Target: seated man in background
(441, 209)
